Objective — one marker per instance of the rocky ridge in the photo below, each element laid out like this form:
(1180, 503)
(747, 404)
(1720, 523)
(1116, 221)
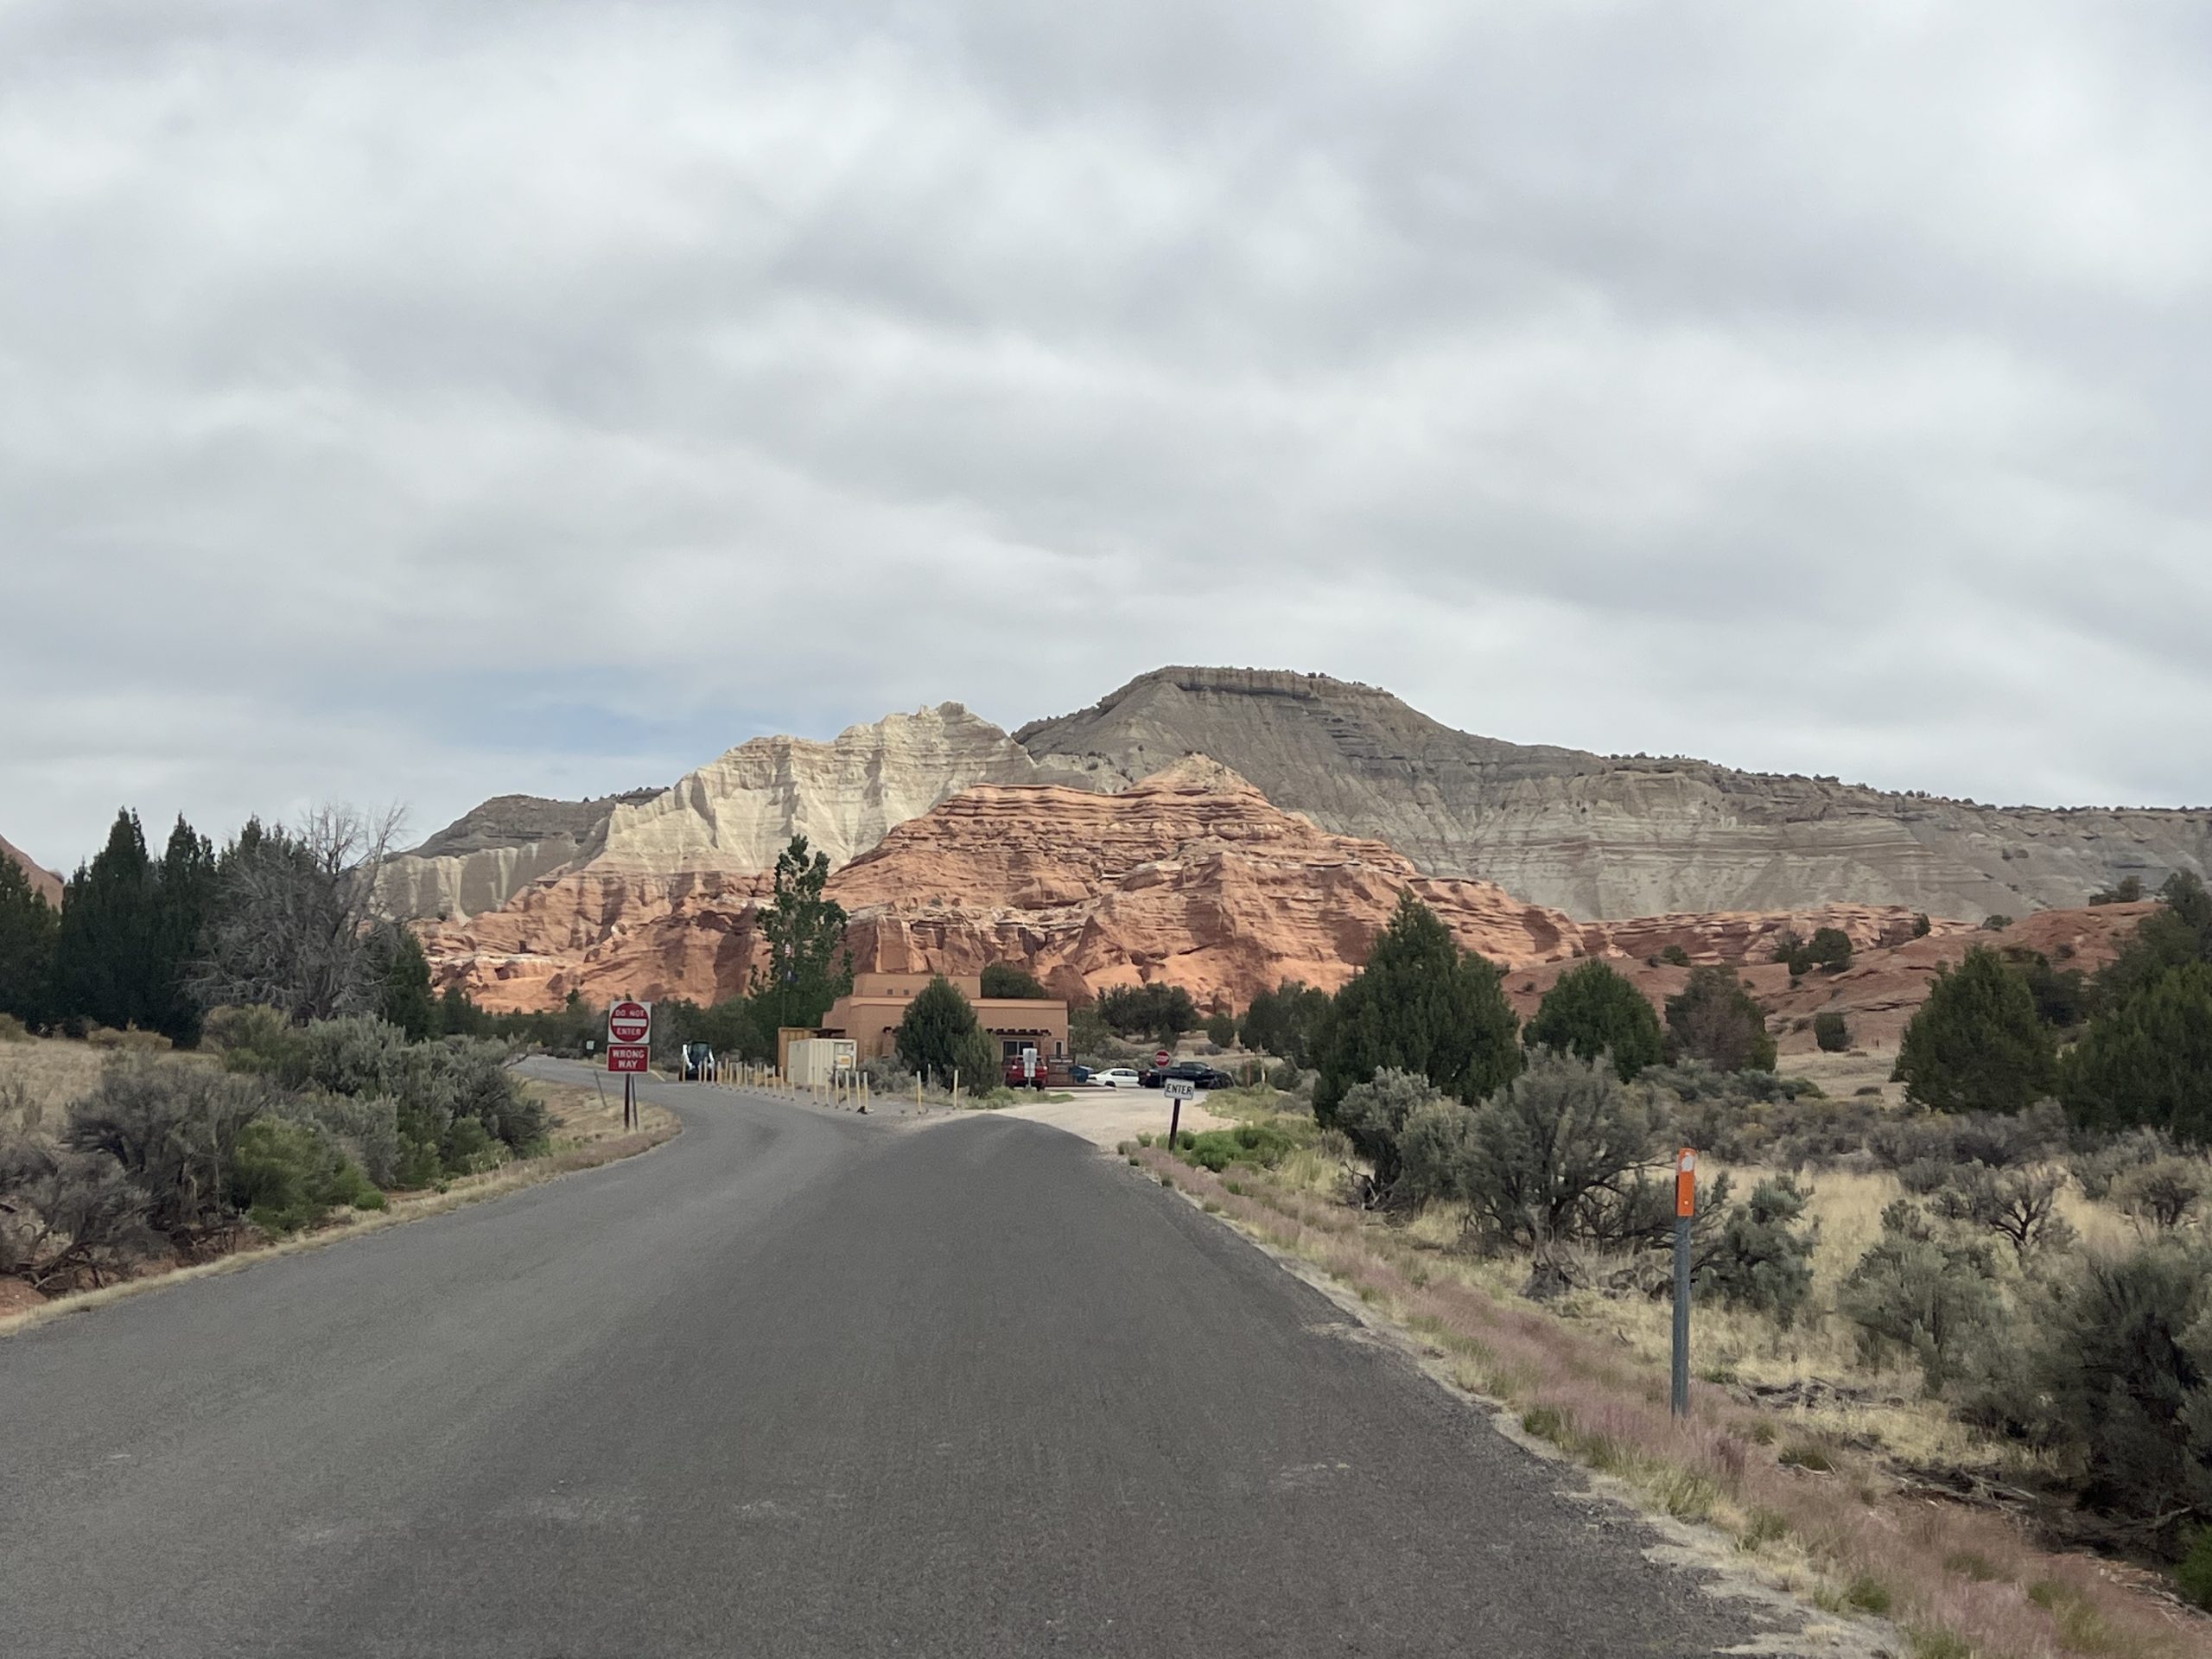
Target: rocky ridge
(1606, 836)
(1191, 877)
(730, 817)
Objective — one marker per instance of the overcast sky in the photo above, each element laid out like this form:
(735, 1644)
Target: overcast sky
(420, 402)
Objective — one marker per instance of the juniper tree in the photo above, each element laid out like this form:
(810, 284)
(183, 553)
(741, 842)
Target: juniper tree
(1976, 1045)
(1592, 1010)
(1420, 1004)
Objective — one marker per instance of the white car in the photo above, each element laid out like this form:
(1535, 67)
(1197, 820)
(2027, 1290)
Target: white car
(1119, 1077)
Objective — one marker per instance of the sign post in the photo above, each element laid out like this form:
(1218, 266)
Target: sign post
(629, 1047)
(1685, 1212)
(1178, 1090)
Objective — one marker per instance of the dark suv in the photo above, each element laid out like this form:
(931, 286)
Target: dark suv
(1198, 1071)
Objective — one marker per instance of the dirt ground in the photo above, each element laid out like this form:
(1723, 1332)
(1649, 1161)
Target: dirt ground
(583, 1114)
(1107, 1117)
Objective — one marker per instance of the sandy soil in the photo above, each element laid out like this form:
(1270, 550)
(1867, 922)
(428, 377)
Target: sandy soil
(1107, 1117)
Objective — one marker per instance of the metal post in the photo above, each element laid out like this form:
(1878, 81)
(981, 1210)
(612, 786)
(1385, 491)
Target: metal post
(1685, 1212)
(1174, 1118)
(629, 1102)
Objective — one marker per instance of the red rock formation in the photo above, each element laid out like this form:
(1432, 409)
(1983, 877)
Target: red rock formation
(1191, 877)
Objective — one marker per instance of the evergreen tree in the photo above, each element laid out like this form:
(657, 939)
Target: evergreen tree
(940, 1035)
(1717, 1021)
(402, 973)
(27, 929)
(185, 885)
(1162, 1012)
(1976, 1045)
(1286, 1021)
(106, 950)
(2149, 1061)
(1421, 1004)
(1011, 980)
(809, 967)
(1593, 1010)
(2173, 936)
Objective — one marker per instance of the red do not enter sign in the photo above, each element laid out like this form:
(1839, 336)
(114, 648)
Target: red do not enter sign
(629, 1022)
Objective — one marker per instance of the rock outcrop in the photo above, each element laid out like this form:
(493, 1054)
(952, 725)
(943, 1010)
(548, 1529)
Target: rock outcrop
(1606, 836)
(1192, 877)
(44, 882)
(731, 817)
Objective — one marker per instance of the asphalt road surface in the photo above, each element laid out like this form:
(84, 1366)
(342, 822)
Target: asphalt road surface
(797, 1383)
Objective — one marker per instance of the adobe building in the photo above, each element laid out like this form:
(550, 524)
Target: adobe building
(870, 1015)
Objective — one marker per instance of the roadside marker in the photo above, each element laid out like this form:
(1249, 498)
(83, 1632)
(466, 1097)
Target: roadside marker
(1685, 1213)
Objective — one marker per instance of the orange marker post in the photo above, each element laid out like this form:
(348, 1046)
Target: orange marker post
(1685, 1213)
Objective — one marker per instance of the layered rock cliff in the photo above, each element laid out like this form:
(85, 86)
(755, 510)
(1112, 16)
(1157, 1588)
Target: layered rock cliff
(1192, 877)
(732, 815)
(44, 882)
(1606, 836)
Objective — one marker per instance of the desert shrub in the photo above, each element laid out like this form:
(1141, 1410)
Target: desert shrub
(886, 1076)
(287, 1175)
(1831, 1032)
(2121, 1365)
(1262, 1144)
(2128, 890)
(1567, 1152)
(1921, 1293)
(467, 1147)
(1287, 1076)
(2163, 1192)
(1976, 1044)
(13, 1030)
(250, 1039)
(1901, 1141)
(1675, 956)
(2097, 1166)
(1436, 1149)
(2194, 1575)
(1762, 1257)
(1829, 948)
(1592, 1010)
(1715, 1020)
(357, 1054)
(431, 1084)
(367, 1128)
(1741, 1117)
(67, 1214)
(2019, 1205)
(1372, 1114)
(1421, 1004)
(172, 1128)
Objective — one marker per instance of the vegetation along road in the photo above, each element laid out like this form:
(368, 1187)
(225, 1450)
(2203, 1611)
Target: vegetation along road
(799, 1382)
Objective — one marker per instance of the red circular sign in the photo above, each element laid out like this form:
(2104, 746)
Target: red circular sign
(1162, 1058)
(629, 1022)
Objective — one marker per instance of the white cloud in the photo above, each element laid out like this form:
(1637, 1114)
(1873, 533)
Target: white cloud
(423, 401)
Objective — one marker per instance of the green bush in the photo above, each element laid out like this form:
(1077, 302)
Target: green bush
(173, 1127)
(1716, 1019)
(1421, 1005)
(1160, 1012)
(1011, 980)
(1922, 1294)
(1762, 1257)
(1221, 1029)
(1976, 1044)
(2122, 1369)
(1567, 1153)
(940, 1036)
(1592, 1010)
(1373, 1116)
(367, 1128)
(2194, 1575)
(287, 1176)
(1831, 1032)
(1675, 956)
(1262, 1144)
(2148, 1061)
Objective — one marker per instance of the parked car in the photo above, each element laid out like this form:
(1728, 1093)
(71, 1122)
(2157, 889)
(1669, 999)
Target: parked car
(1017, 1077)
(1115, 1077)
(699, 1062)
(1195, 1071)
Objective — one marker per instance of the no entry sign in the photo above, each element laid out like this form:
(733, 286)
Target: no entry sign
(1162, 1058)
(629, 1035)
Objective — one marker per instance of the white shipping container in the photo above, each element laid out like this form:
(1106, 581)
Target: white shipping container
(818, 1059)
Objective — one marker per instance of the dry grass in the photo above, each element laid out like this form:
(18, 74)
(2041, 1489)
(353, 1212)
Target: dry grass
(1816, 1516)
(40, 1079)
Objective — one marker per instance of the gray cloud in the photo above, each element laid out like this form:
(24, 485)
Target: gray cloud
(423, 401)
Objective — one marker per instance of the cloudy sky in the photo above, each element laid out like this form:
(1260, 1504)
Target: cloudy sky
(416, 402)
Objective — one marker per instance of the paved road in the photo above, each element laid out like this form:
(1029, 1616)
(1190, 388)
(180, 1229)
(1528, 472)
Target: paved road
(797, 1384)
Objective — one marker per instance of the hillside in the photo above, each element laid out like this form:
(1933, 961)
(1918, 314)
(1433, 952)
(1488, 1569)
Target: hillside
(44, 881)
(1192, 877)
(1598, 836)
(730, 817)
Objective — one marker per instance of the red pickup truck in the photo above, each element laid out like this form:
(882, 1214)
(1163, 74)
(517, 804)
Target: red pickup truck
(1017, 1077)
